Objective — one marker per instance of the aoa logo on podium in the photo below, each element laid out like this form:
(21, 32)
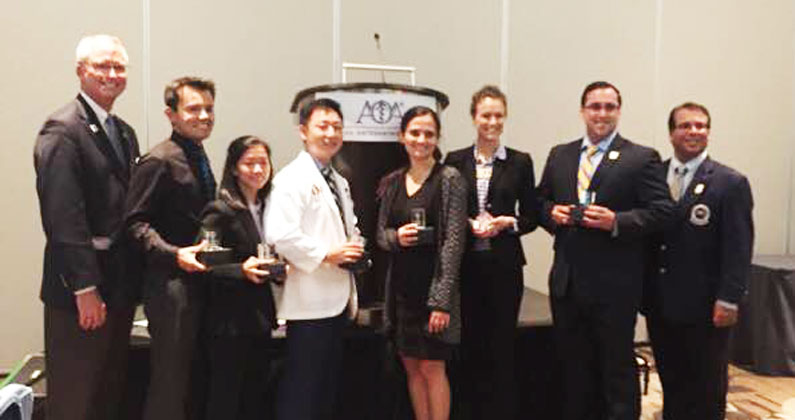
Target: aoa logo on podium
(381, 112)
(375, 117)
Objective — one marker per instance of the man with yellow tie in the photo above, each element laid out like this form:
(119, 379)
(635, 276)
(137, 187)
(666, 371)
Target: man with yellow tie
(600, 196)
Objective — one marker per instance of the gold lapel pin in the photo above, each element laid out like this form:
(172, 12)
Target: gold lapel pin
(613, 155)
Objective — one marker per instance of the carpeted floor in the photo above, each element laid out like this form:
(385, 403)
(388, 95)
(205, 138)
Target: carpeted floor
(751, 396)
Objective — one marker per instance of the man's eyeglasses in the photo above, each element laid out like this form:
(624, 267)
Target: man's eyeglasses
(106, 67)
(598, 106)
(694, 125)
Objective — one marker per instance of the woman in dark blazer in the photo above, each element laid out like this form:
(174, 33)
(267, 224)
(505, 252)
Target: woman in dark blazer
(240, 312)
(422, 300)
(502, 207)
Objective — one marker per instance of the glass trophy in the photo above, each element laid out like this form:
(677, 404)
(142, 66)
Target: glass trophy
(425, 233)
(483, 221)
(365, 262)
(578, 210)
(276, 266)
(214, 254)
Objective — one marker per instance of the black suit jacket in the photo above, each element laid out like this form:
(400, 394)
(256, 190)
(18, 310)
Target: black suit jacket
(236, 305)
(628, 181)
(706, 254)
(163, 210)
(512, 182)
(82, 185)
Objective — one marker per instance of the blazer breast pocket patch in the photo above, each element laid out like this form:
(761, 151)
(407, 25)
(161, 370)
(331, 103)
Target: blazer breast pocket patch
(699, 215)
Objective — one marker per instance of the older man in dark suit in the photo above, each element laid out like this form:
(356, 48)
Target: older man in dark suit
(600, 196)
(170, 187)
(701, 271)
(82, 157)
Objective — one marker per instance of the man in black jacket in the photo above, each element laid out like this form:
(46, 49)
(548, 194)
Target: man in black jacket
(82, 157)
(600, 197)
(701, 271)
(170, 187)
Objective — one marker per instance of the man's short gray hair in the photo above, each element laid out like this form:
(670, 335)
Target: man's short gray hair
(90, 44)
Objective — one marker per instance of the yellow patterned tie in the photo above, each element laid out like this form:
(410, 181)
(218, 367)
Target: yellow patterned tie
(585, 173)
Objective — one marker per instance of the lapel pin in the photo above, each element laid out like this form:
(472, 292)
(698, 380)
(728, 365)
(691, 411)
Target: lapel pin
(94, 128)
(315, 190)
(613, 155)
(699, 188)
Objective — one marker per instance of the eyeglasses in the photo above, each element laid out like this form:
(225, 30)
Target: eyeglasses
(106, 67)
(694, 125)
(598, 106)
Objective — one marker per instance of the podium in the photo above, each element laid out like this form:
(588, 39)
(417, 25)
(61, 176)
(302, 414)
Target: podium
(371, 122)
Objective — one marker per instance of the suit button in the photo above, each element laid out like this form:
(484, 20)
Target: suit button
(663, 247)
(662, 270)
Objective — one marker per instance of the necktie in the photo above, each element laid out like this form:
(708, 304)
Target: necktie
(327, 174)
(585, 173)
(116, 141)
(678, 182)
(206, 178)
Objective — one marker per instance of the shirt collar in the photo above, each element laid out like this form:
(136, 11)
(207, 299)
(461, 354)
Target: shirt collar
(501, 153)
(320, 166)
(100, 112)
(691, 165)
(603, 145)
(185, 142)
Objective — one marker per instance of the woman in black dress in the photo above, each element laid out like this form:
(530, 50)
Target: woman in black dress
(422, 300)
(240, 312)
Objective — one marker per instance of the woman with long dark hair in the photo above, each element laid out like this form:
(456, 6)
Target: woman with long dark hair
(422, 300)
(240, 312)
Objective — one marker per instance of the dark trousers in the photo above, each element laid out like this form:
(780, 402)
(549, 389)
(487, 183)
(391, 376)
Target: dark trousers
(490, 298)
(313, 361)
(238, 378)
(595, 342)
(174, 310)
(86, 370)
(693, 364)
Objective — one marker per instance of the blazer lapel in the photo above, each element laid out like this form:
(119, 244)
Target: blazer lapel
(324, 190)
(571, 162)
(471, 177)
(699, 182)
(498, 169)
(101, 139)
(611, 157)
(250, 227)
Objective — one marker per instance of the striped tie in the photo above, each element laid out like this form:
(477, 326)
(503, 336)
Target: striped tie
(332, 185)
(585, 173)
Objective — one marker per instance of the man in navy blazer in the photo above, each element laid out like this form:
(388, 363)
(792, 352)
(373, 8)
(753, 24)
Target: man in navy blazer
(600, 197)
(701, 271)
(82, 157)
